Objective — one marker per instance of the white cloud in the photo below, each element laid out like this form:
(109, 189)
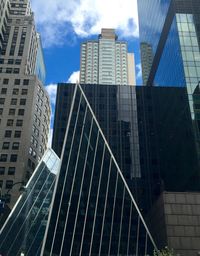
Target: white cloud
(52, 89)
(139, 71)
(84, 18)
(50, 137)
(74, 77)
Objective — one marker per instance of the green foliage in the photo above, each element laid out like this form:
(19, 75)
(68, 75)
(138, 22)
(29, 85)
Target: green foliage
(164, 252)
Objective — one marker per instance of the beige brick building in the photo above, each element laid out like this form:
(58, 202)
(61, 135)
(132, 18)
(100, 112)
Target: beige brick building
(24, 102)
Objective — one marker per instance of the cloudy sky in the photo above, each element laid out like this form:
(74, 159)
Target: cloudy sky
(64, 24)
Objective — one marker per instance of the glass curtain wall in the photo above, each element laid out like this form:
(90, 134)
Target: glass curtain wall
(23, 232)
(93, 212)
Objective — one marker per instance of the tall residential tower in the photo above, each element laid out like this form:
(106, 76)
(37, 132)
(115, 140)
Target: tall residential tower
(24, 103)
(107, 61)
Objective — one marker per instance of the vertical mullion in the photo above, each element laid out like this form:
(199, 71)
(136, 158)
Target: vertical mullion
(7, 233)
(138, 234)
(38, 213)
(113, 214)
(121, 222)
(74, 177)
(110, 165)
(83, 177)
(56, 185)
(27, 216)
(129, 230)
(120, 172)
(146, 244)
(98, 190)
(87, 206)
(64, 145)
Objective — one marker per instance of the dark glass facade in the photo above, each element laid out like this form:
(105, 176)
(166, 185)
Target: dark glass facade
(137, 123)
(168, 154)
(176, 48)
(23, 231)
(93, 212)
(150, 133)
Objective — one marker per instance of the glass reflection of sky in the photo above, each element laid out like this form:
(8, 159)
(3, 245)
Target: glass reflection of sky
(170, 71)
(152, 14)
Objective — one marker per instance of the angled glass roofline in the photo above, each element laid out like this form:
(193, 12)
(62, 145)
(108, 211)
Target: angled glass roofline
(119, 170)
(37, 195)
(78, 86)
(51, 168)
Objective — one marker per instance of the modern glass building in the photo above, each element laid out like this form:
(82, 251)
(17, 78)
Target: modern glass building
(174, 36)
(144, 127)
(23, 231)
(94, 211)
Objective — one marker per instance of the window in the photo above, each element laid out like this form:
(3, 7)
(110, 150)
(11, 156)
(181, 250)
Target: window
(13, 158)
(13, 102)
(5, 81)
(31, 164)
(11, 111)
(21, 112)
(18, 62)
(8, 133)
(22, 101)
(15, 91)
(10, 61)
(19, 122)
(24, 91)
(8, 70)
(1, 111)
(1, 61)
(17, 81)
(6, 145)
(2, 170)
(26, 82)
(17, 134)
(16, 71)
(3, 157)
(11, 170)
(10, 122)
(9, 184)
(15, 145)
(2, 101)
(3, 90)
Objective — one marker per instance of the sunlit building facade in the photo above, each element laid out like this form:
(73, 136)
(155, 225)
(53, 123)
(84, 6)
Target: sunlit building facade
(107, 61)
(24, 102)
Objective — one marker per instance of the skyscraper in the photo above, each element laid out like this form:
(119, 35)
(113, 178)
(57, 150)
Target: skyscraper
(146, 59)
(24, 103)
(93, 212)
(149, 130)
(172, 29)
(107, 61)
(174, 36)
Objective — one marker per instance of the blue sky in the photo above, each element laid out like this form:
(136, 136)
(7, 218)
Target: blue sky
(64, 24)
